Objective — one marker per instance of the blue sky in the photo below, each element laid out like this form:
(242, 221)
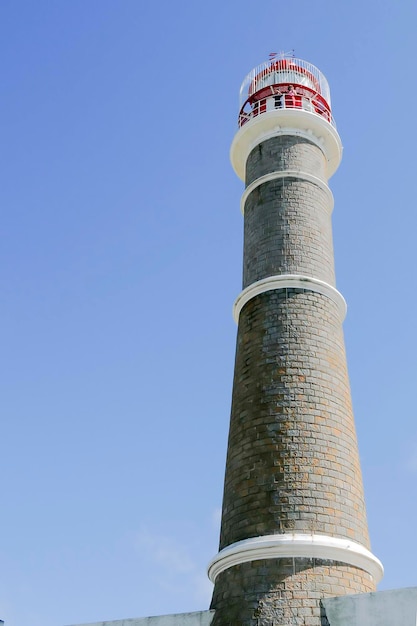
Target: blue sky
(120, 259)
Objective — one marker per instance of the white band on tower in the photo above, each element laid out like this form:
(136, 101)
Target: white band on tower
(297, 545)
(288, 174)
(291, 281)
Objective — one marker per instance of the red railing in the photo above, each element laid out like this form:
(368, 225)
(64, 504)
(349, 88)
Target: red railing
(279, 97)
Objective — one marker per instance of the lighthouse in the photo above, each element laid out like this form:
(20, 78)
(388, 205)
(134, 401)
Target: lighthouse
(294, 528)
(294, 545)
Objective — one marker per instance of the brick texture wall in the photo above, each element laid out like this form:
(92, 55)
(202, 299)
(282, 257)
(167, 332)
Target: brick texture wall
(292, 462)
(287, 220)
(283, 593)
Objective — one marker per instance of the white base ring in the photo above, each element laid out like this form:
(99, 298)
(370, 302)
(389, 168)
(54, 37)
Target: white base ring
(297, 546)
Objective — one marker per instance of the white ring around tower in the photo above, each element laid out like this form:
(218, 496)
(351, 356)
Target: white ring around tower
(297, 545)
(286, 122)
(288, 174)
(290, 281)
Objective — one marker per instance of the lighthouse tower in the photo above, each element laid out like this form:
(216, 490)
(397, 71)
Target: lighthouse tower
(294, 526)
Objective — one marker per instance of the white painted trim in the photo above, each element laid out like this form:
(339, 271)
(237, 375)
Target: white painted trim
(286, 122)
(296, 545)
(288, 174)
(291, 281)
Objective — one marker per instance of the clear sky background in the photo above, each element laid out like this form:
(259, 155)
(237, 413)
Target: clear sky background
(120, 258)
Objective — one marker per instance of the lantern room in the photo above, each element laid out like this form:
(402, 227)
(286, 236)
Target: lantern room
(284, 83)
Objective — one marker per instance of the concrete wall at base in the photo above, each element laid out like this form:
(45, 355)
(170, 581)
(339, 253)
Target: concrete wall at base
(384, 608)
(201, 618)
(397, 607)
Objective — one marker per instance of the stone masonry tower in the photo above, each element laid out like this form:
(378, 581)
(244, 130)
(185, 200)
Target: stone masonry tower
(294, 526)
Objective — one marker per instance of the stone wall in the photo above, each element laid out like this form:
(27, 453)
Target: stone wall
(292, 463)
